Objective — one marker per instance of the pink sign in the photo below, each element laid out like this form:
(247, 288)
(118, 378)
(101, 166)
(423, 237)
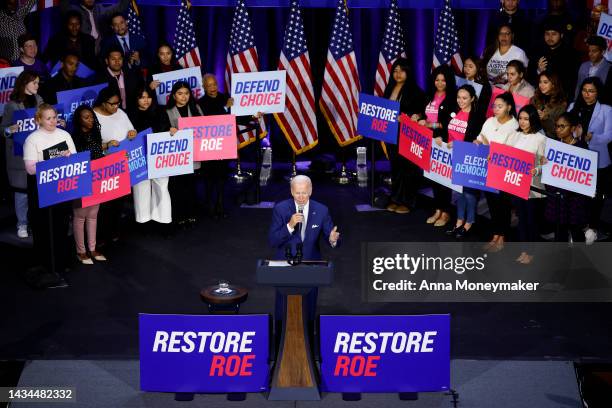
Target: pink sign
(110, 177)
(520, 101)
(415, 142)
(214, 137)
(509, 169)
(495, 92)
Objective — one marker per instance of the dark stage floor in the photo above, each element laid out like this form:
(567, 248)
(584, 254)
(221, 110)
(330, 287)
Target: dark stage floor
(96, 317)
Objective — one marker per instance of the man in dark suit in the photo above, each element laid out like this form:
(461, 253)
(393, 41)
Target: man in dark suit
(114, 73)
(71, 39)
(133, 46)
(301, 221)
(64, 80)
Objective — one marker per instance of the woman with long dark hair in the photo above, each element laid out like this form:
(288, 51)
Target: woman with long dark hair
(499, 129)
(405, 176)
(550, 101)
(596, 121)
(182, 104)
(442, 101)
(165, 62)
(529, 138)
(24, 96)
(517, 84)
(475, 71)
(86, 136)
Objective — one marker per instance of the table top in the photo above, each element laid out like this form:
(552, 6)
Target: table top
(209, 296)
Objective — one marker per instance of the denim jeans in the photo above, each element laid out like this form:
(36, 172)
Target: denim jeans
(21, 209)
(466, 206)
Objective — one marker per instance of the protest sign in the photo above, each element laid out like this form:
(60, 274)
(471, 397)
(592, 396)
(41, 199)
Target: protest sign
(255, 92)
(378, 118)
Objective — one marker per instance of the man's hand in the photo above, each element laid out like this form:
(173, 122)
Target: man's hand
(542, 64)
(229, 103)
(134, 58)
(334, 236)
(295, 219)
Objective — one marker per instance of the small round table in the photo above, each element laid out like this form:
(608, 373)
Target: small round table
(218, 302)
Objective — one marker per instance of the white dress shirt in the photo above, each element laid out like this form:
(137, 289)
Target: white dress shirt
(305, 213)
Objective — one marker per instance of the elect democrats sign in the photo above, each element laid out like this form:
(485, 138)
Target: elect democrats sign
(385, 353)
(204, 353)
(415, 142)
(214, 137)
(74, 98)
(136, 149)
(63, 179)
(8, 76)
(570, 168)
(193, 76)
(255, 92)
(470, 165)
(170, 155)
(378, 118)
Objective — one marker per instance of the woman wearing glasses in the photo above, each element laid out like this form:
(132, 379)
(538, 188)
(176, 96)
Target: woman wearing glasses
(115, 126)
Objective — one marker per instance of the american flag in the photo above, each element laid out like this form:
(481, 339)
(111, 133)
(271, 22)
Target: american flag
(187, 51)
(446, 48)
(44, 4)
(341, 81)
(242, 57)
(393, 46)
(133, 19)
(299, 121)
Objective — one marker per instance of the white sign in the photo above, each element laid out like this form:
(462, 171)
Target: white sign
(170, 155)
(570, 168)
(258, 92)
(193, 76)
(441, 167)
(7, 83)
(605, 30)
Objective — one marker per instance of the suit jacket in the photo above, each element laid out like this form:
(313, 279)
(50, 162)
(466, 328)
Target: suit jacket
(131, 80)
(59, 83)
(583, 73)
(84, 47)
(601, 128)
(137, 43)
(319, 224)
(100, 13)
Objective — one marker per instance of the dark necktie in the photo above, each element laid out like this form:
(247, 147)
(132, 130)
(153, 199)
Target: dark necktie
(126, 47)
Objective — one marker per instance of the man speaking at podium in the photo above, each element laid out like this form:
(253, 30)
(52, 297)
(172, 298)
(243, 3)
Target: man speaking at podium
(298, 223)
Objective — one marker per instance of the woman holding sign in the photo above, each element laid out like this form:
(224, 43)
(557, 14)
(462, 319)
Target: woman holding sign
(86, 136)
(464, 126)
(165, 62)
(442, 103)
(182, 104)
(24, 96)
(596, 122)
(115, 126)
(529, 138)
(48, 142)
(499, 129)
(474, 71)
(151, 197)
(405, 176)
(550, 101)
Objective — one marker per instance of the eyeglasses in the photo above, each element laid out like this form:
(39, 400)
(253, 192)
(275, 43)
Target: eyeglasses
(591, 91)
(113, 103)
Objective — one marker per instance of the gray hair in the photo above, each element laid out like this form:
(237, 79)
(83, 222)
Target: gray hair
(301, 179)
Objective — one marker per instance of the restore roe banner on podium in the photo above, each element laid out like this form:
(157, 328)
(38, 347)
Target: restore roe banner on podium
(204, 353)
(385, 353)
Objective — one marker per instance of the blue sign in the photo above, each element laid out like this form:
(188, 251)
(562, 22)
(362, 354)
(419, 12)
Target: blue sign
(26, 123)
(83, 71)
(385, 353)
(378, 118)
(204, 353)
(74, 98)
(63, 179)
(137, 156)
(470, 162)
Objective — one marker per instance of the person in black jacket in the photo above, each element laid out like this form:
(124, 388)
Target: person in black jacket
(71, 40)
(475, 71)
(64, 80)
(511, 14)
(405, 176)
(442, 102)
(116, 75)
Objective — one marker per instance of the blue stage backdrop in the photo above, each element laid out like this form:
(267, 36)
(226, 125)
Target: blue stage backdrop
(212, 19)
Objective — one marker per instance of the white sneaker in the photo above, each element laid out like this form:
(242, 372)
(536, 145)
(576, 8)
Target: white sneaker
(22, 231)
(590, 236)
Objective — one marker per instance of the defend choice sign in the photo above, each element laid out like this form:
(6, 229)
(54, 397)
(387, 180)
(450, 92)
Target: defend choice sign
(170, 155)
(605, 30)
(470, 165)
(193, 76)
(378, 118)
(570, 168)
(214, 137)
(415, 142)
(510, 169)
(441, 168)
(63, 179)
(137, 156)
(385, 353)
(110, 179)
(8, 76)
(183, 353)
(258, 92)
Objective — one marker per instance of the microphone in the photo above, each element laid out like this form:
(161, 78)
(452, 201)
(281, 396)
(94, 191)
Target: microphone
(298, 226)
(288, 254)
(298, 253)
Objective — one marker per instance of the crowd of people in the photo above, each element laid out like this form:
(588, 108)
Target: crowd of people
(568, 101)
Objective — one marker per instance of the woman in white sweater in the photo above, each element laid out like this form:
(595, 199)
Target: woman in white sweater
(529, 137)
(498, 129)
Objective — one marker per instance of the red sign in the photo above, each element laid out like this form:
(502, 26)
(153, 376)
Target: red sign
(110, 177)
(509, 169)
(495, 92)
(520, 101)
(214, 137)
(415, 142)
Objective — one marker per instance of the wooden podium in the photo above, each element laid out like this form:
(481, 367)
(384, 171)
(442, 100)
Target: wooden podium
(294, 377)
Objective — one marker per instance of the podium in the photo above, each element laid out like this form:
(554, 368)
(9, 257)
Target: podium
(296, 286)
